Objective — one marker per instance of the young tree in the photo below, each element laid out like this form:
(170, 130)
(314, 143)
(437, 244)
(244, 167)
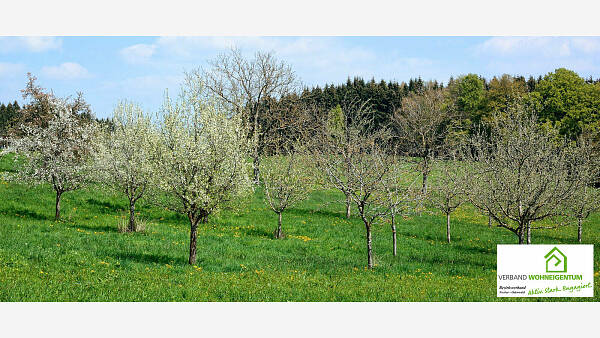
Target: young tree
(361, 167)
(59, 153)
(447, 192)
(370, 178)
(127, 153)
(242, 84)
(202, 155)
(286, 182)
(586, 199)
(401, 194)
(522, 174)
(420, 126)
(336, 137)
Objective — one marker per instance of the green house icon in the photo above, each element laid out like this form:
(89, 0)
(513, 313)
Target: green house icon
(556, 261)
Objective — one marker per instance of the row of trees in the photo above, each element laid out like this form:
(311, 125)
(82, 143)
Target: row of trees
(192, 157)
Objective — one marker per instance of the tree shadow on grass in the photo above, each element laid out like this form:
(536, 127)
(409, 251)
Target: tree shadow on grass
(438, 239)
(545, 238)
(449, 261)
(320, 212)
(28, 213)
(150, 258)
(105, 228)
(474, 249)
(104, 205)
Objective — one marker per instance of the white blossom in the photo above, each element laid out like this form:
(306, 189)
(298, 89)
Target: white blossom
(59, 154)
(127, 152)
(202, 159)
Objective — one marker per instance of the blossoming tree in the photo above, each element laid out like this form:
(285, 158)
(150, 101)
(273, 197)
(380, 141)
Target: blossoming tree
(60, 153)
(126, 155)
(202, 159)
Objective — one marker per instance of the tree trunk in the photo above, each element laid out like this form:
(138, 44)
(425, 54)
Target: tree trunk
(448, 227)
(393, 234)
(489, 220)
(255, 151)
(369, 248)
(348, 205)
(521, 235)
(579, 230)
(131, 226)
(256, 169)
(278, 231)
(424, 187)
(193, 237)
(57, 210)
(528, 233)
(423, 192)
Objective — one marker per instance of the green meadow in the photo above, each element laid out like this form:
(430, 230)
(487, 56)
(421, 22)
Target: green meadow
(323, 258)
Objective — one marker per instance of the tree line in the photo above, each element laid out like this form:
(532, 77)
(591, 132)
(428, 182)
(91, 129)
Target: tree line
(524, 153)
(562, 97)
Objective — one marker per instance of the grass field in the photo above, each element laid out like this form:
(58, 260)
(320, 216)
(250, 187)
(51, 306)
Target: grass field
(84, 257)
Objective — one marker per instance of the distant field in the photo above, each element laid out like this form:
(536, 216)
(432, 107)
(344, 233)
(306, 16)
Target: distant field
(84, 258)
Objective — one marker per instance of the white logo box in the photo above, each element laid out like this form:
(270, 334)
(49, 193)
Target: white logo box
(545, 270)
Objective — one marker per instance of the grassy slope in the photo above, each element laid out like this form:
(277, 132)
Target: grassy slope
(84, 258)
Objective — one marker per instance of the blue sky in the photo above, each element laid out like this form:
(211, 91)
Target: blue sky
(107, 69)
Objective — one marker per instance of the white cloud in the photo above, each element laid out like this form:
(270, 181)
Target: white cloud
(138, 53)
(317, 59)
(558, 47)
(41, 43)
(11, 69)
(66, 71)
(190, 47)
(539, 55)
(34, 44)
(587, 45)
(289, 47)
